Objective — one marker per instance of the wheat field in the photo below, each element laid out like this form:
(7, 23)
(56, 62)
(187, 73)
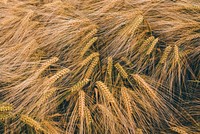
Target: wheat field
(99, 66)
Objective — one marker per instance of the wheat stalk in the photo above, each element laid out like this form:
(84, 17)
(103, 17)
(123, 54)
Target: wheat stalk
(91, 67)
(121, 70)
(88, 45)
(79, 85)
(100, 85)
(165, 54)
(155, 41)
(31, 122)
(89, 58)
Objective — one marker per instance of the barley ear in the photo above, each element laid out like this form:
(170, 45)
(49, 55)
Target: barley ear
(81, 109)
(59, 74)
(31, 122)
(145, 43)
(121, 70)
(152, 46)
(91, 67)
(87, 46)
(89, 58)
(79, 85)
(176, 53)
(101, 86)
(179, 130)
(165, 54)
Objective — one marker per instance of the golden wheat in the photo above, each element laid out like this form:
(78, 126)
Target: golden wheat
(91, 67)
(127, 100)
(109, 68)
(89, 58)
(88, 45)
(59, 74)
(100, 85)
(79, 85)
(137, 21)
(155, 41)
(46, 65)
(6, 107)
(81, 108)
(138, 131)
(145, 43)
(142, 83)
(176, 53)
(121, 70)
(179, 130)
(165, 54)
(31, 122)
(5, 116)
(48, 94)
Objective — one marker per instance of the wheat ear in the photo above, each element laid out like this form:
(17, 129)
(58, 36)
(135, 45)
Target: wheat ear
(137, 21)
(5, 116)
(165, 54)
(91, 67)
(31, 122)
(100, 85)
(79, 85)
(88, 119)
(138, 131)
(127, 100)
(59, 74)
(89, 58)
(179, 130)
(81, 109)
(6, 107)
(126, 60)
(142, 83)
(48, 94)
(87, 46)
(176, 53)
(155, 41)
(192, 7)
(46, 65)
(109, 68)
(121, 70)
(88, 115)
(145, 43)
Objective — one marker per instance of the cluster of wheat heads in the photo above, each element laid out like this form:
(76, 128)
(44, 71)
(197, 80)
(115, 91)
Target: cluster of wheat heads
(99, 66)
